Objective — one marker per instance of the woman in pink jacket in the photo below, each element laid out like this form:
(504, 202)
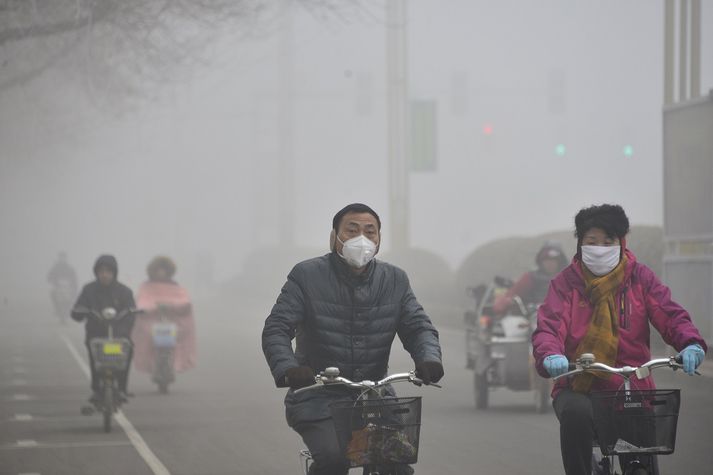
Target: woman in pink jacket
(161, 296)
(602, 303)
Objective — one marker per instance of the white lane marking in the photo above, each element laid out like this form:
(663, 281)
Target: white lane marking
(18, 382)
(156, 466)
(29, 473)
(31, 444)
(19, 370)
(18, 359)
(77, 357)
(44, 419)
(21, 397)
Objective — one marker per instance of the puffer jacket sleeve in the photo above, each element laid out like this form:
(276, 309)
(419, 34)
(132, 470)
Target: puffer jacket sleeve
(550, 334)
(670, 319)
(415, 330)
(280, 327)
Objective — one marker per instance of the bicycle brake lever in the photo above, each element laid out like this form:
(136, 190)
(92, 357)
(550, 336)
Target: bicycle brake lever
(306, 388)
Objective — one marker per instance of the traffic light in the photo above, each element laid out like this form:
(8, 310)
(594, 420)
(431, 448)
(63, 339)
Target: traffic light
(487, 129)
(560, 150)
(628, 151)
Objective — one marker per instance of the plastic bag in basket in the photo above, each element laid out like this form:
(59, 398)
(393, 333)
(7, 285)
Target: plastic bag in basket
(396, 447)
(373, 443)
(358, 448)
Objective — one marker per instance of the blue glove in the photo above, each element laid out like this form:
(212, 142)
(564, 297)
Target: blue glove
(556, 365)
(692, 357)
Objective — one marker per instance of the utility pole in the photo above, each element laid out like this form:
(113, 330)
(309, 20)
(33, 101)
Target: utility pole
(398, 121)
(285, 120)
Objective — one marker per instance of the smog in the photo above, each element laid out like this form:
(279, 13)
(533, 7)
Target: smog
(222, 137)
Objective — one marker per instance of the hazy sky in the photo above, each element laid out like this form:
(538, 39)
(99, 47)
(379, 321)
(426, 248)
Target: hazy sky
(192, 173)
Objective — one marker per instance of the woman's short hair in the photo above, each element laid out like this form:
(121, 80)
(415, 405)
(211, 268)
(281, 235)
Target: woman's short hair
(609, 218)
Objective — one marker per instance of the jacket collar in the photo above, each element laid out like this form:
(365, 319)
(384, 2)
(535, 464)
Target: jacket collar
(345, 273)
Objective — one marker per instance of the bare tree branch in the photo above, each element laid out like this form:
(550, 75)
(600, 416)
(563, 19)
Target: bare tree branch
(126, 46)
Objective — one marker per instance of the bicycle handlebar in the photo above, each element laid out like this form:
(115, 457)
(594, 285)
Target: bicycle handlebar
(99, 314)
(586, 362)
(330, 376)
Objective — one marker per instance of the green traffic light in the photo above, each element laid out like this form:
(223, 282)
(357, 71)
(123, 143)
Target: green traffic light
(560, 150)
(628, 151)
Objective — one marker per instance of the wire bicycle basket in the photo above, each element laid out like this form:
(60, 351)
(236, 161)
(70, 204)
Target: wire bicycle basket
(637, 421)
(378, 431)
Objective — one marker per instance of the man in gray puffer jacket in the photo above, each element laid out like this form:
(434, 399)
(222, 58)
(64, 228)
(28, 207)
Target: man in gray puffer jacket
(344, 309)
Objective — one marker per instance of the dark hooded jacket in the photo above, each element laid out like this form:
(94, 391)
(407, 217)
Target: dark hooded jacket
(343, 320)
(96, 296)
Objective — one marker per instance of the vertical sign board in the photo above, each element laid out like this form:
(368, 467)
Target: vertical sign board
(423, 135)
(688, 207)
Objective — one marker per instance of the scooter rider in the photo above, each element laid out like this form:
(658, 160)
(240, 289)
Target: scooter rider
(532, 285)
(97, 295)
(62, 273)
(161, 294)
(344, 309)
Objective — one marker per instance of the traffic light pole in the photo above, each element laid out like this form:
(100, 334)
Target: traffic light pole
(398, 121)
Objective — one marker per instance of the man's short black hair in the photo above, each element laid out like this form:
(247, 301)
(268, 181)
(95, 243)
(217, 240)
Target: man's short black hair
(610, 218)
(354, 208)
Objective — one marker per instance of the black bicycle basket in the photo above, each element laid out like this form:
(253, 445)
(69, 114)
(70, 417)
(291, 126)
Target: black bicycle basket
(637, 421)
(378, 431)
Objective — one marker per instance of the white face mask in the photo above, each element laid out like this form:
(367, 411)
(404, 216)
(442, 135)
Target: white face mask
(601, 260)
(358, 251)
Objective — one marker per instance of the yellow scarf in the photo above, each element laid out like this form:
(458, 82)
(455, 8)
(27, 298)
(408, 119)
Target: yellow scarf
(602, 337)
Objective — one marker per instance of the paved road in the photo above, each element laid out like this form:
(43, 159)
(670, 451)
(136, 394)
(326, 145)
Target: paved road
(226, 417)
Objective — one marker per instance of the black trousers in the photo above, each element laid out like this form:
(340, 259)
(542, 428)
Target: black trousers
(122, 376)
(321, 440)
(574, 411)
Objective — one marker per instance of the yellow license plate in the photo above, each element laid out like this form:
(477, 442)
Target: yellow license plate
(112, 349)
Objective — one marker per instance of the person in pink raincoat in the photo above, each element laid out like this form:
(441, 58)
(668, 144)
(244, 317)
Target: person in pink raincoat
(602, 303)
(161, 295)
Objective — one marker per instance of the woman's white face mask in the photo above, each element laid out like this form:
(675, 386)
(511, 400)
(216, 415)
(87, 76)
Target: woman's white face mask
(601, 260)
(358, 251)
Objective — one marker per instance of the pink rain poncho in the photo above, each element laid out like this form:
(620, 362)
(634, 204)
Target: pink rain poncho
(150, 297)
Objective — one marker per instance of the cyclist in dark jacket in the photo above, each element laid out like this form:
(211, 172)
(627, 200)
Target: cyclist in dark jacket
(344, 309)
(97, 295)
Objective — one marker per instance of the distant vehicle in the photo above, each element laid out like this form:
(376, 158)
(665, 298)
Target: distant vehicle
(499, 349)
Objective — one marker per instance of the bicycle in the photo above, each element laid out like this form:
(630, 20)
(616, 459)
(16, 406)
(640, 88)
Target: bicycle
(375, 429)
(632, 425)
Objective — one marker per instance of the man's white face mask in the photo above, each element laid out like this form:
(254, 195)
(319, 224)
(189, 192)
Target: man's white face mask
(601, 260)
(358, 251)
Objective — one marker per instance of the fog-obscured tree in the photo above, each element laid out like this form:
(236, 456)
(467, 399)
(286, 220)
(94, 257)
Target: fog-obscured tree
(128, 47)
